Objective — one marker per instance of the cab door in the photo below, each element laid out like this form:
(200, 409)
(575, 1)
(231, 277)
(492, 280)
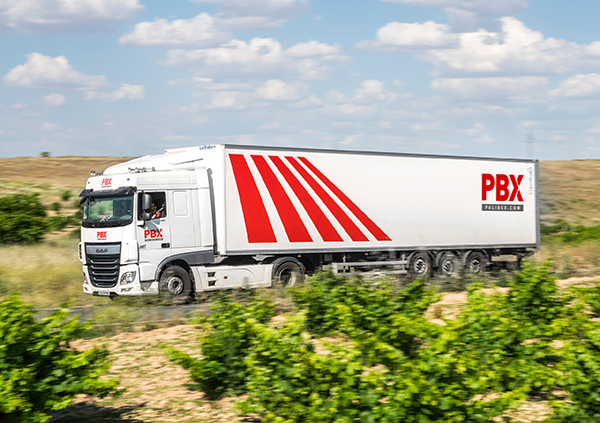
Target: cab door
(154, 236)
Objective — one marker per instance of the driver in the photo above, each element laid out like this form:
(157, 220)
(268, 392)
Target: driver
(155, 212)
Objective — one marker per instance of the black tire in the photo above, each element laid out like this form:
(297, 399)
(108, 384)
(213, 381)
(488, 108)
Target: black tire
(476, 263)
(175, 285)
(420, 266)
(448, 265)
(287, 272)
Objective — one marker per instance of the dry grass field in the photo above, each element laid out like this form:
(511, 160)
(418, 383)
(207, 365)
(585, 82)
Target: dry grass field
(569, 191)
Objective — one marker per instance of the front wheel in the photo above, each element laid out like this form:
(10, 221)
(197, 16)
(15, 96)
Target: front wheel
(175, 285)
(287, 272)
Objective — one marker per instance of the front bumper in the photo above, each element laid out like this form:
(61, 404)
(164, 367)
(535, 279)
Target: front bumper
(134, 288)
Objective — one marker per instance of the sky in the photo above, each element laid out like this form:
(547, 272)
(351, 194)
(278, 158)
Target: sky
(510, 78)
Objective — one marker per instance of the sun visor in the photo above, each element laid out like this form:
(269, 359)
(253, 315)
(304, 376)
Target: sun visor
(108, 192)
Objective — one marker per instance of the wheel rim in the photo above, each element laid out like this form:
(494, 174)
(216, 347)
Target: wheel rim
(448, 266)
(286, 277)
(420, 266)
(175, 285)
(475, 265)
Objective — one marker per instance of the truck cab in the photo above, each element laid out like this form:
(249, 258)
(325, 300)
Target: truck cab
(138, 224)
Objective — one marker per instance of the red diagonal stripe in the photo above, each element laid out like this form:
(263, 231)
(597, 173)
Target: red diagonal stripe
(258, 226)
(351, 229)
(375, 230)
(323, 225)
(292, 223)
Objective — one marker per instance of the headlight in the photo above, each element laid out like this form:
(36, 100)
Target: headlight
(85, 280)
(127, 278)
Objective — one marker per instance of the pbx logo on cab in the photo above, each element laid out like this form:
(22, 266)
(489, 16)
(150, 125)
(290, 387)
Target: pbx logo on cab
(101, 235)
(153, 234)
(501, 188)
(107, 182)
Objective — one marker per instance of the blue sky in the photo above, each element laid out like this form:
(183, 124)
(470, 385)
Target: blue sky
(516, 78)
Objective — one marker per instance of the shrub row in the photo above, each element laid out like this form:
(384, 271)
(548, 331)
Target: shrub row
(39, 369)
(23, 219)
(363, 351)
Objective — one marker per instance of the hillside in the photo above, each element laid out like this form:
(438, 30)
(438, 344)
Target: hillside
(568, 189)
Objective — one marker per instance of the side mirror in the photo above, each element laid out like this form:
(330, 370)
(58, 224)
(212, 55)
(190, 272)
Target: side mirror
(146, 202)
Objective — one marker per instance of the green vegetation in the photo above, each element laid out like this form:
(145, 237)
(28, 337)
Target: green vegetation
(362, 350)
(40, 371)
(22, 219)
(565, 233)
(224, 346)
(66, 195)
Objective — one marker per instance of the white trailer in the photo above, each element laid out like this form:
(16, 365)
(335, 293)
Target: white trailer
(230, 216)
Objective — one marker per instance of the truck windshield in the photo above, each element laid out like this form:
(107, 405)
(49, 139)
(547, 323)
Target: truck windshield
(107, 211)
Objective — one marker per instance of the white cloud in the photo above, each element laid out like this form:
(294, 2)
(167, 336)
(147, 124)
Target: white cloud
(258, 57)
(47, 16)
(579, 86)
(227, 100)
(491, 88)
(124, 93)
(516, 49)
(275, 89)
(428, 127)
(315, 48)
(402, 35)
(373, 90)
(277, 8)
(237, 15)
(499, 8)
(210, 84)
(50, 127)
(199, 31)
(471, 14)
(55, 100)
(40, 71)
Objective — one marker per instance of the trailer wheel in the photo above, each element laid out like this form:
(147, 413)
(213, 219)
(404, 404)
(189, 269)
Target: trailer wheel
(175, 285)
(476, 263)
(287, 272)
(420, 266)
(448, 265)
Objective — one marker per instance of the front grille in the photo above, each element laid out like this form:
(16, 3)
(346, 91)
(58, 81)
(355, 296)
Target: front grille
(103, 266)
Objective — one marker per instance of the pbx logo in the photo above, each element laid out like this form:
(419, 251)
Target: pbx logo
(506, 189)
(101, 235)
(107, 182)
(153, 234)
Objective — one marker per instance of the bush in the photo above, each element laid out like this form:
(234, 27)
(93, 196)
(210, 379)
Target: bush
(55, 207)
(224, 346)
(22, 219)
(57, 223)
(39, 369)
(66, 195)
(361, 350)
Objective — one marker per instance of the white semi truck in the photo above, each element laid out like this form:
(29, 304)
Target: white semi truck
(223, 216)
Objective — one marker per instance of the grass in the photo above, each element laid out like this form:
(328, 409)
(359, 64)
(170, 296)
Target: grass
(44, 275)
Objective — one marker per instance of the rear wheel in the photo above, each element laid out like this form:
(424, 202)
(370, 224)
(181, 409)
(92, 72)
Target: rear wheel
(420, 266)
(476, 263)
(287, 272)
(175, 285)
(448, 265)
